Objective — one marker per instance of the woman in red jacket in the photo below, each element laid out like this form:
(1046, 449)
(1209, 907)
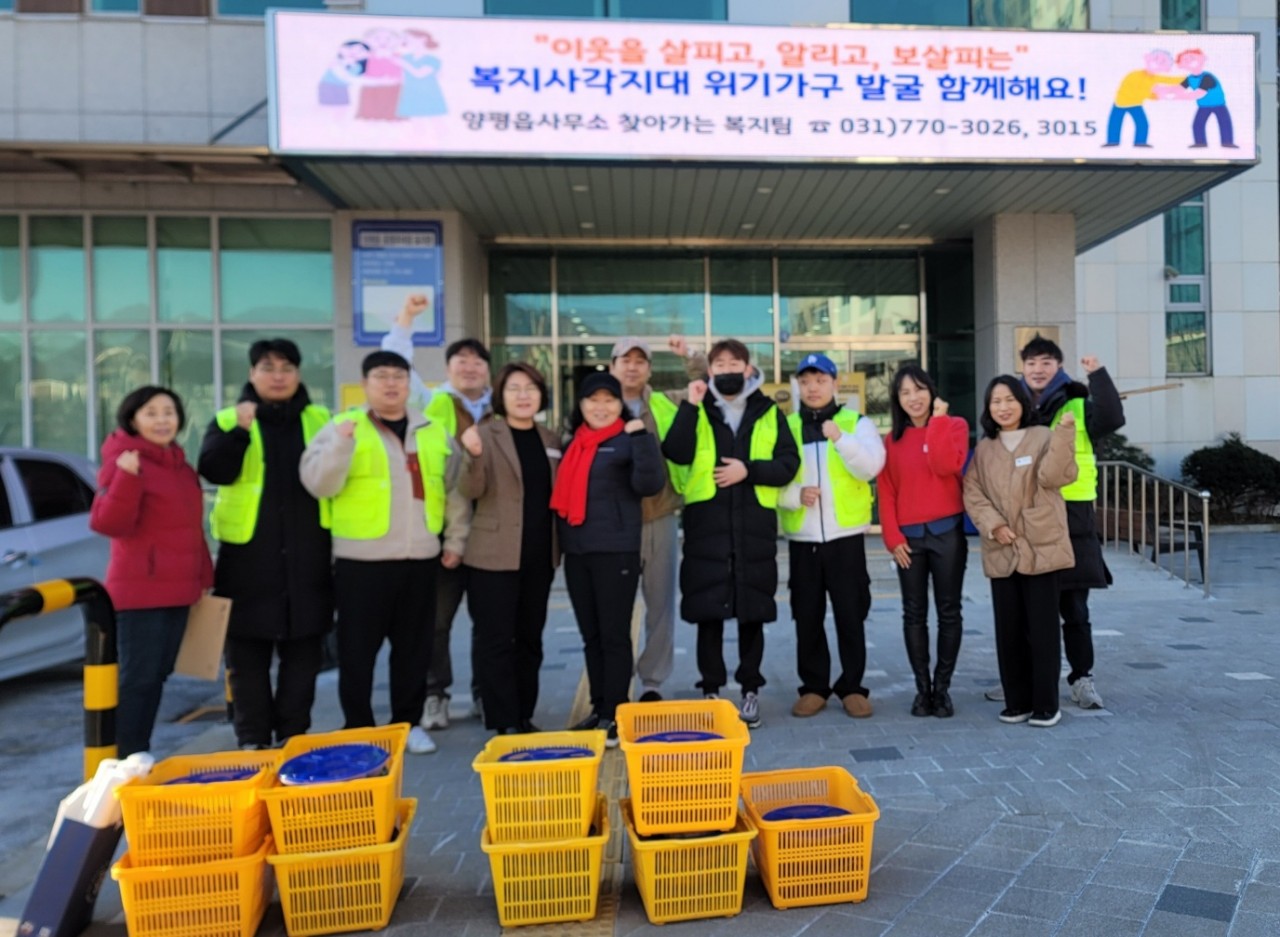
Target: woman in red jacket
(922, 521)
(149, 503)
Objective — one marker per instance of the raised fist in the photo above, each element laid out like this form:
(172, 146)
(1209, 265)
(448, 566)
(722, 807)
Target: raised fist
(830, 430)
(697, 392)
(128, 462)
(415, 304)
(940, 408)
(347, 429)
(246, 410)
(1068, 419)
(633, 426)
(472, 442)
(678, 345)
(1090, 363)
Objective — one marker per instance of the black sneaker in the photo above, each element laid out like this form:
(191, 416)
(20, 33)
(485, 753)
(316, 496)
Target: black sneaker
(651, 696)
(942, 707)
(591, 722)
(1045, 720)
(611, 733)
(528, 727)
(922, 705)
(1014, 716)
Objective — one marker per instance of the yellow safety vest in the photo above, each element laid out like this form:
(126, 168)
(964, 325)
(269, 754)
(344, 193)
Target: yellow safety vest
(852, 495)
(699, 484)
(1085, 487)
(664, 414)
(362, 509)
(440, 410)
(235, 508)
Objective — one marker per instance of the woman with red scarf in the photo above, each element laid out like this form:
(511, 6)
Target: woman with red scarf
(608, 467)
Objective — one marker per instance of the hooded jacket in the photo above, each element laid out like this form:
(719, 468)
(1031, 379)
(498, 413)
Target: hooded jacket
(155, 519)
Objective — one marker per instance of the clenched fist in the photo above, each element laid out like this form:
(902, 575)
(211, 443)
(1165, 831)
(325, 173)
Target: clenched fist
(940, 408)
(472, 442)
(1068, 419)
(810, 495)
(1090, 363)
(415, 304)
(633, 426)
(347, 429)
(830, 430)
(128, 462)
(246, 410)
(697, 392)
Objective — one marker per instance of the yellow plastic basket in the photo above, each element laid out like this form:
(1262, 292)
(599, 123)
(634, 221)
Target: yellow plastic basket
(808, 862)
(529, 801)
(344, 815)
(546, 882)
(683, 787)
(351, 890)
(680, 879)
(214, 899)
(178, 824)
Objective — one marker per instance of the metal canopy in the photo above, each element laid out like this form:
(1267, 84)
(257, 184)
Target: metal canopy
(514, 202)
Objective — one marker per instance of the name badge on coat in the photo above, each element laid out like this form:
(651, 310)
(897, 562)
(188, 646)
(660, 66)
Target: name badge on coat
(1022, 461)
(553, 453)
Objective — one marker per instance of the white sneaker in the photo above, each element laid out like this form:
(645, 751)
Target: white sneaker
(436, 715)
(1084, 694)
(420, 743)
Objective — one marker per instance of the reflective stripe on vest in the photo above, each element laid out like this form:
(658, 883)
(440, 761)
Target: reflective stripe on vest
(362, 509)
(700, 483)
(234, 517)
(1085, 487)
(852, 495)
(664, 414)
(441, 411)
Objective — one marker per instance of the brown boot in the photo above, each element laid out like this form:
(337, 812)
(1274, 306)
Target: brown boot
(857, 705)
(809, 704)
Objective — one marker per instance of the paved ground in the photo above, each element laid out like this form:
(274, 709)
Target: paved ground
(1156, 816)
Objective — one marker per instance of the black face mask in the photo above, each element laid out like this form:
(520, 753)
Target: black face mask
(730, 385)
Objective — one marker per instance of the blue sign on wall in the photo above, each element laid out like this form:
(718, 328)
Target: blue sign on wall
(389, 261)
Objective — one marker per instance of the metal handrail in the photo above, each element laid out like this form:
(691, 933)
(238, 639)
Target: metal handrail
(1117, 484)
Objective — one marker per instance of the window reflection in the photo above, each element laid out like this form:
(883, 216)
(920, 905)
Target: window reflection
(742, 295)
(839, 295)
(186, 365)
(10, 269)
(59, 410)
(275, 270)
(520, 294)
(121, 362)
(1032, 14)
(609, 295)
(11, 389)
(56, 268)
(184, 270)
(121, 275)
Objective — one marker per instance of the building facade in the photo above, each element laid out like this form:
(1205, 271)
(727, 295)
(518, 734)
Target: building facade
(149, 233)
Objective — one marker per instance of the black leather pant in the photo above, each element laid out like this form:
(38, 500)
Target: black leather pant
(942, 557)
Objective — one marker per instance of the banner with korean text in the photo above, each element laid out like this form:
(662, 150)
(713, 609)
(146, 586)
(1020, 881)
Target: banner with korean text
(498, 87)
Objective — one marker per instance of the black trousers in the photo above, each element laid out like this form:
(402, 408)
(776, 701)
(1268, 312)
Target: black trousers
(394, 601)
(508, 613)
(451, 584)
(1028, 640)
(260, 712)
(837, 568)
(1077, 633)
(942, 558)
(602, 588)
(711, 656)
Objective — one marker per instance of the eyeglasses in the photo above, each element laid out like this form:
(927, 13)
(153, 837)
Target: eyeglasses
(286, 369)
(390, 376)
(520, 390)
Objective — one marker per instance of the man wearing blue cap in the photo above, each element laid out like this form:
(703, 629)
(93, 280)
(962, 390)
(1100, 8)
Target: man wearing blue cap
(825, 511)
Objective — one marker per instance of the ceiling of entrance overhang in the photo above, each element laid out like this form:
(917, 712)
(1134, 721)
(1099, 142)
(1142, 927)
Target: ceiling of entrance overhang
(514, 202)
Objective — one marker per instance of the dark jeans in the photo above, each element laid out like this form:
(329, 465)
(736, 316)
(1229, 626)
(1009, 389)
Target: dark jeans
(393, 601)
(508, 613)
(711, 656)
(1077, 633)
(839, 569)
(1201, 123)
(602, 588)
(260, 713)
(942, 558)
(147, 642)
(1028, 640)
(451, 585)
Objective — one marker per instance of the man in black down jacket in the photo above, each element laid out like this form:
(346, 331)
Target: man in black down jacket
(275, 558)
(730, 564)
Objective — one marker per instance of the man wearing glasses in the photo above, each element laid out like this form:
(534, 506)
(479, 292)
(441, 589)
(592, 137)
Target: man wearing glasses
(274, 562)
(396, 519)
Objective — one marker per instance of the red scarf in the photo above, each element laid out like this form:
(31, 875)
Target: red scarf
(569, 498)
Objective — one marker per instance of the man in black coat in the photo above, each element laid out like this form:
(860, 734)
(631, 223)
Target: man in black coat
(1099, 412)
(275, 557)
(739, 452)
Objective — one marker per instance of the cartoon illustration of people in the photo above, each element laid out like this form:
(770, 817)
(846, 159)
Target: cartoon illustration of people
(1212, 102)
(383, 76)
(1135, 89)
(420, 94)
(346, 69)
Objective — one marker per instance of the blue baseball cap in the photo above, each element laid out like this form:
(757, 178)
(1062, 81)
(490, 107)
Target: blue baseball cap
(817, 363)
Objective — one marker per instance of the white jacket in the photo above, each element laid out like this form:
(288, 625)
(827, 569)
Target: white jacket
(862, 452)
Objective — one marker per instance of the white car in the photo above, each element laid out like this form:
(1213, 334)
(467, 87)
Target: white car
(44, 534)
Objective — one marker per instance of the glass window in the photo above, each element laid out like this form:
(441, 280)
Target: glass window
(742, 295)
(113, 6)
(11, 389)
(520, 294)
(583, 9)
(258, 7)
(184, 270)
(317, 362)
(275, 270)
(1181, 14)
(1031, 14)
(1184, 239)
(56, 274)
(608, 295)
(6, 510)
(10, 269)
(670, 9)
(1186, 343)
(836, 294)
(121, 362)
(59, 409)
(121, 271)
(911, 12)
(53, 489)
(186, 365)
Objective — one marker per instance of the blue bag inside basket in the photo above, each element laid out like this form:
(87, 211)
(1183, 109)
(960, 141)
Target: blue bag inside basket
(335, 763)
(685, 736)
(805, 812)
(548, 753)
(214, 775)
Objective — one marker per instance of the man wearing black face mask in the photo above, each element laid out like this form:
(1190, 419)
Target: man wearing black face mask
(735, 451)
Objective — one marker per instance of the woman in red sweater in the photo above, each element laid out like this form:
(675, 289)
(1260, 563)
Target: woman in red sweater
(149, 503)
(922, 520)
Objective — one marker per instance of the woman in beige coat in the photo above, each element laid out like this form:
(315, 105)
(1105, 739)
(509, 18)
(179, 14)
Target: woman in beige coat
(1012, 495)
(511, 554)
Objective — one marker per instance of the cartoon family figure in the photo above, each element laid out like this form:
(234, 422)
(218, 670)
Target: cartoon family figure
(1154, 82)
(392, 75)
